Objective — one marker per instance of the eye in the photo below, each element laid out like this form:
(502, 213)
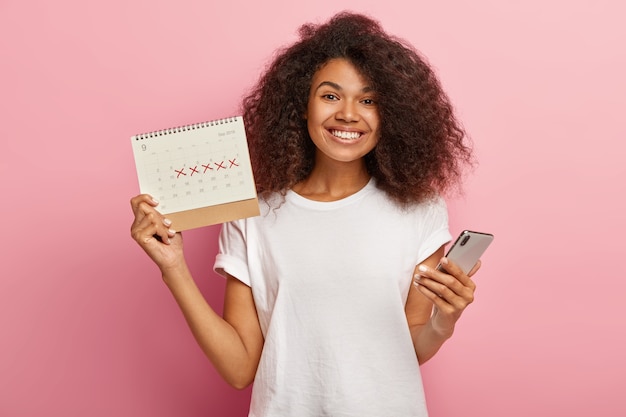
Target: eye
(368, 101)
(330, 96)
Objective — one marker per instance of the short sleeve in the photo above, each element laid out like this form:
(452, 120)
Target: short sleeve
(435, 227)
(232, 258)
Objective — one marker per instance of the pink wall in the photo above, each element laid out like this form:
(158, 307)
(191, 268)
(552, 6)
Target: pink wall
(87, 327)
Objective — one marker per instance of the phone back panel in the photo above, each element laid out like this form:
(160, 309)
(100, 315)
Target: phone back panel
(468, 248)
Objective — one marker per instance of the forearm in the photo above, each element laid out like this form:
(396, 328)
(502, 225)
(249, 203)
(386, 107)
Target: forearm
(217, 338)
(233, 345)
(427, 341)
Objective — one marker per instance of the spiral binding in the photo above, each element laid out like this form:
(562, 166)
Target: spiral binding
(178, 129)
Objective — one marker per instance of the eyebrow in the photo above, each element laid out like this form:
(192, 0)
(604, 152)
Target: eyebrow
(338, 87)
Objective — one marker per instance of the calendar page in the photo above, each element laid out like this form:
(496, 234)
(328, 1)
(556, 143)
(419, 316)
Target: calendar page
(200, 174)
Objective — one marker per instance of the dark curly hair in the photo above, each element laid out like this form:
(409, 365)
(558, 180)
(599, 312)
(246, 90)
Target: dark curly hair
(422, 149)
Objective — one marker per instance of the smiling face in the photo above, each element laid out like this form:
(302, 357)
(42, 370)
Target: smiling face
(342, 115)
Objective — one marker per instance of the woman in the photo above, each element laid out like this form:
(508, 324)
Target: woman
(332, 298)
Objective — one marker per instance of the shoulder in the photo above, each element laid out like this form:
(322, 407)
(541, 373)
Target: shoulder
(434, 205)
(268, 208)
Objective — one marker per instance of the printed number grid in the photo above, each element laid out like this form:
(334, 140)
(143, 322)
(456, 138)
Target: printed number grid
(195, 168)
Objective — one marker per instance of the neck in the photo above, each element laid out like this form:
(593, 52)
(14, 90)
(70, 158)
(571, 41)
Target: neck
(333, 182)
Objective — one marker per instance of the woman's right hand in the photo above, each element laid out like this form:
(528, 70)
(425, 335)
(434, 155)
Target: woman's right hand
(151, 230)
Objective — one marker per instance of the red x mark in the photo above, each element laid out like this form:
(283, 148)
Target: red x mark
(232, 162)
(219, 165)
(206, 167)
(179, 173)
(193, 169)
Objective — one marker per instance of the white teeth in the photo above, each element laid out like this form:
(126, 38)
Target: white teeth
(345, 135)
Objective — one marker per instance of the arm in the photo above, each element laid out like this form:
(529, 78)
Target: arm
(233, 343)
(436, 302)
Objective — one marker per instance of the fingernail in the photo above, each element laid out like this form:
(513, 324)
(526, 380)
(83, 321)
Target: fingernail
(171, 232)
(444, 261)
(422, 268)
(167, 222)
(154, 200)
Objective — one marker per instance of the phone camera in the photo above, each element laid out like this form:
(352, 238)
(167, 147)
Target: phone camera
(465, 239)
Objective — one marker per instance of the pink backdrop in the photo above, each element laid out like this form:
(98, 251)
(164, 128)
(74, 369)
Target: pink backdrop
(87, 327)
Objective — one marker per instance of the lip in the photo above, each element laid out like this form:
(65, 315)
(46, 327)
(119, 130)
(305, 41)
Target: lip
(348, 131)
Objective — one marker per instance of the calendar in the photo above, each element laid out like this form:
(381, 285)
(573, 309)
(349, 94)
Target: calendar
(200, 173)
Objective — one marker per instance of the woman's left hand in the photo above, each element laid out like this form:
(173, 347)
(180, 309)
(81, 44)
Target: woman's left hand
(450, 292)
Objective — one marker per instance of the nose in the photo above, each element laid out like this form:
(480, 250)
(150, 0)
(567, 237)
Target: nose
(348, 111)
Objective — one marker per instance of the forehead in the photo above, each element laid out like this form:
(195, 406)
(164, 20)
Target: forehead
(341, 72)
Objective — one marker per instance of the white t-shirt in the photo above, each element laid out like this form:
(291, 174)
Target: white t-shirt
(330, 282)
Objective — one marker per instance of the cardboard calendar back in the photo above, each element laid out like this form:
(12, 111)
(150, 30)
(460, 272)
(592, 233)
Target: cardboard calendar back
(200, 174)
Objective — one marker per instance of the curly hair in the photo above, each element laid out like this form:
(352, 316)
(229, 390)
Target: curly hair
(422, 148)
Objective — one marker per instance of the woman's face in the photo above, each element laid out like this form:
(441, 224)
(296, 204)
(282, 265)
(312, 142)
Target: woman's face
(342, 114)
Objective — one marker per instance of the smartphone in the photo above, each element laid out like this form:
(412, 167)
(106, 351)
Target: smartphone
(467, 249)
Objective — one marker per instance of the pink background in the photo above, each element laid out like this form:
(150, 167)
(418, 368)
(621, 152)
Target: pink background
(87, 327)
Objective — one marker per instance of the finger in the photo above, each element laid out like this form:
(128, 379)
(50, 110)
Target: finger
(439, 281)
(446, 286)
(152, 226)
(453, 269)
(145, 227)
(165, 233)
(443, 297)
(144, 210)
(142, 205)
(439, 300)
(135, 202)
